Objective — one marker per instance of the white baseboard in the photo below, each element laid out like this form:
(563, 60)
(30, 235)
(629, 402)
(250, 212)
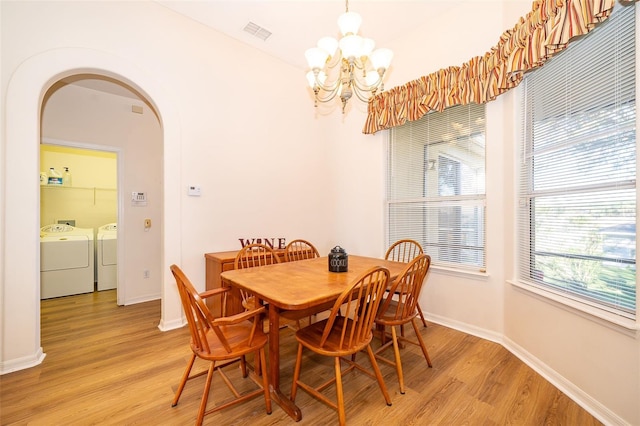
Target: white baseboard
(465, 328)
(594, 407)
(171, 325)
(22, 363)
(142, 299)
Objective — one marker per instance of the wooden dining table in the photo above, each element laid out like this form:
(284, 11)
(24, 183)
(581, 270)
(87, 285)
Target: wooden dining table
(298, 286)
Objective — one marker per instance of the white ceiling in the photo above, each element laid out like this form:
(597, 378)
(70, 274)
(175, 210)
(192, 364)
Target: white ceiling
(296, 25)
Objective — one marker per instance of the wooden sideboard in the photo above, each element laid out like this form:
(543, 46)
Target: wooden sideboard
(217, 263)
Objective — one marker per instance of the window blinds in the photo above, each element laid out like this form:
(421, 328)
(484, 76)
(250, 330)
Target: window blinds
(436, 185)
(577, 209)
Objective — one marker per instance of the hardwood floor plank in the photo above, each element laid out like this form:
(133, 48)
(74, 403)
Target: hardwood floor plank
(111, 365)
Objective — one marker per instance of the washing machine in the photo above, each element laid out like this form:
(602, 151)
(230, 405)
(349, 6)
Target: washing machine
(107, 257)
(66, 261)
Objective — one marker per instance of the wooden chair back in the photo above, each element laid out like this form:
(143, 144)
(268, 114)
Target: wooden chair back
(253, 255)
(201, 321)
(401, 302)
(300, 250)
(403, 250)
(355, 310)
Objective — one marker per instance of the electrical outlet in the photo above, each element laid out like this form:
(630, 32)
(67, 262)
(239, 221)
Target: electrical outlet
(146, 273)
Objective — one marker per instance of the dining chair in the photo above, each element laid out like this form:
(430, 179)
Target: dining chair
(250, 256)
(253, 255)
(294, 251)
(398, 308)
(300, 250)
(404, 251)
(339, 336)
(222, 342)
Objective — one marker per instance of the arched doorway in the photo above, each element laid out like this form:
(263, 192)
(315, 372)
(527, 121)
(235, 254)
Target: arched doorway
(111, 137)
(25, 92)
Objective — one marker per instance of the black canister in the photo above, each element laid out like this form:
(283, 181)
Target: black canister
(338, 260)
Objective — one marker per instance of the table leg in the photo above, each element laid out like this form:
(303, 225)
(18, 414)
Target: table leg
(274, 366)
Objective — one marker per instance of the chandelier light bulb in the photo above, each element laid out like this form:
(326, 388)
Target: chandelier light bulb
(329, 45)
(372, 79)
(351, 46)
(381, 58)
(367, 46)
(349, 23)
(313, 80)
(316, 57)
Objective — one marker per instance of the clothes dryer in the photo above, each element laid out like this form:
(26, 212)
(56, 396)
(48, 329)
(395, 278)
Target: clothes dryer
(107, 257)
(66, 261)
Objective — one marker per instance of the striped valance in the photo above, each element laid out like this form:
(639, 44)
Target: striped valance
(544, 31)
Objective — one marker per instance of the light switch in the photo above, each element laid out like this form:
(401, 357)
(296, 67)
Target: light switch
(138, 199)
(139, 196)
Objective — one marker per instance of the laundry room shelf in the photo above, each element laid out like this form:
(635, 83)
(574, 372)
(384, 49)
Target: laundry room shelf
(79, 191)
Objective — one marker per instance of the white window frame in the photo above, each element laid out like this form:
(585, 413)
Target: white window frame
(422, 197)
(617, 315)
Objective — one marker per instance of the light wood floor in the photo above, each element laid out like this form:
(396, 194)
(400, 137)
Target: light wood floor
(110, 365)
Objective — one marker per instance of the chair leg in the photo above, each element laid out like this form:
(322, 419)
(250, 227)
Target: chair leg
(383, 334)
(396, 353)
(339, 392)
(296, 374)
(424, 323)
(183, 381)
(422, 345)
(243, 366)
(374, 364)
(205, 394)
(265, 381)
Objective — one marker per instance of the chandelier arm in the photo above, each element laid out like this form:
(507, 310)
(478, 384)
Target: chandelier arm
(328, 98)
(364, 86)
(328, 91)
(360, 95)
(334, 60)
(328, 87)
(359, 64)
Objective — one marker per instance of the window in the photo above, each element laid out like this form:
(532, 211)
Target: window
(577, 207)
(436, 185)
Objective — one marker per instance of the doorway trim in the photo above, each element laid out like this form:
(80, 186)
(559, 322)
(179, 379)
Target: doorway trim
(20, 345)
(121, 291)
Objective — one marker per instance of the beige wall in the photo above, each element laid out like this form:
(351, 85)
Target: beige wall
(267, 165)
(89, 168)
(91, 199)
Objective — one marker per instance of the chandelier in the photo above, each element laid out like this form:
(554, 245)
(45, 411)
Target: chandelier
(361, 69)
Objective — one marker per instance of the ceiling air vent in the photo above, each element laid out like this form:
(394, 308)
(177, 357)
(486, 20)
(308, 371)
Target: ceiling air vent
(257, 31)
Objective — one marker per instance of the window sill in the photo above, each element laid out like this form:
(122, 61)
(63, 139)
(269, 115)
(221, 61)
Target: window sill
(469, 273)
(609, 319)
